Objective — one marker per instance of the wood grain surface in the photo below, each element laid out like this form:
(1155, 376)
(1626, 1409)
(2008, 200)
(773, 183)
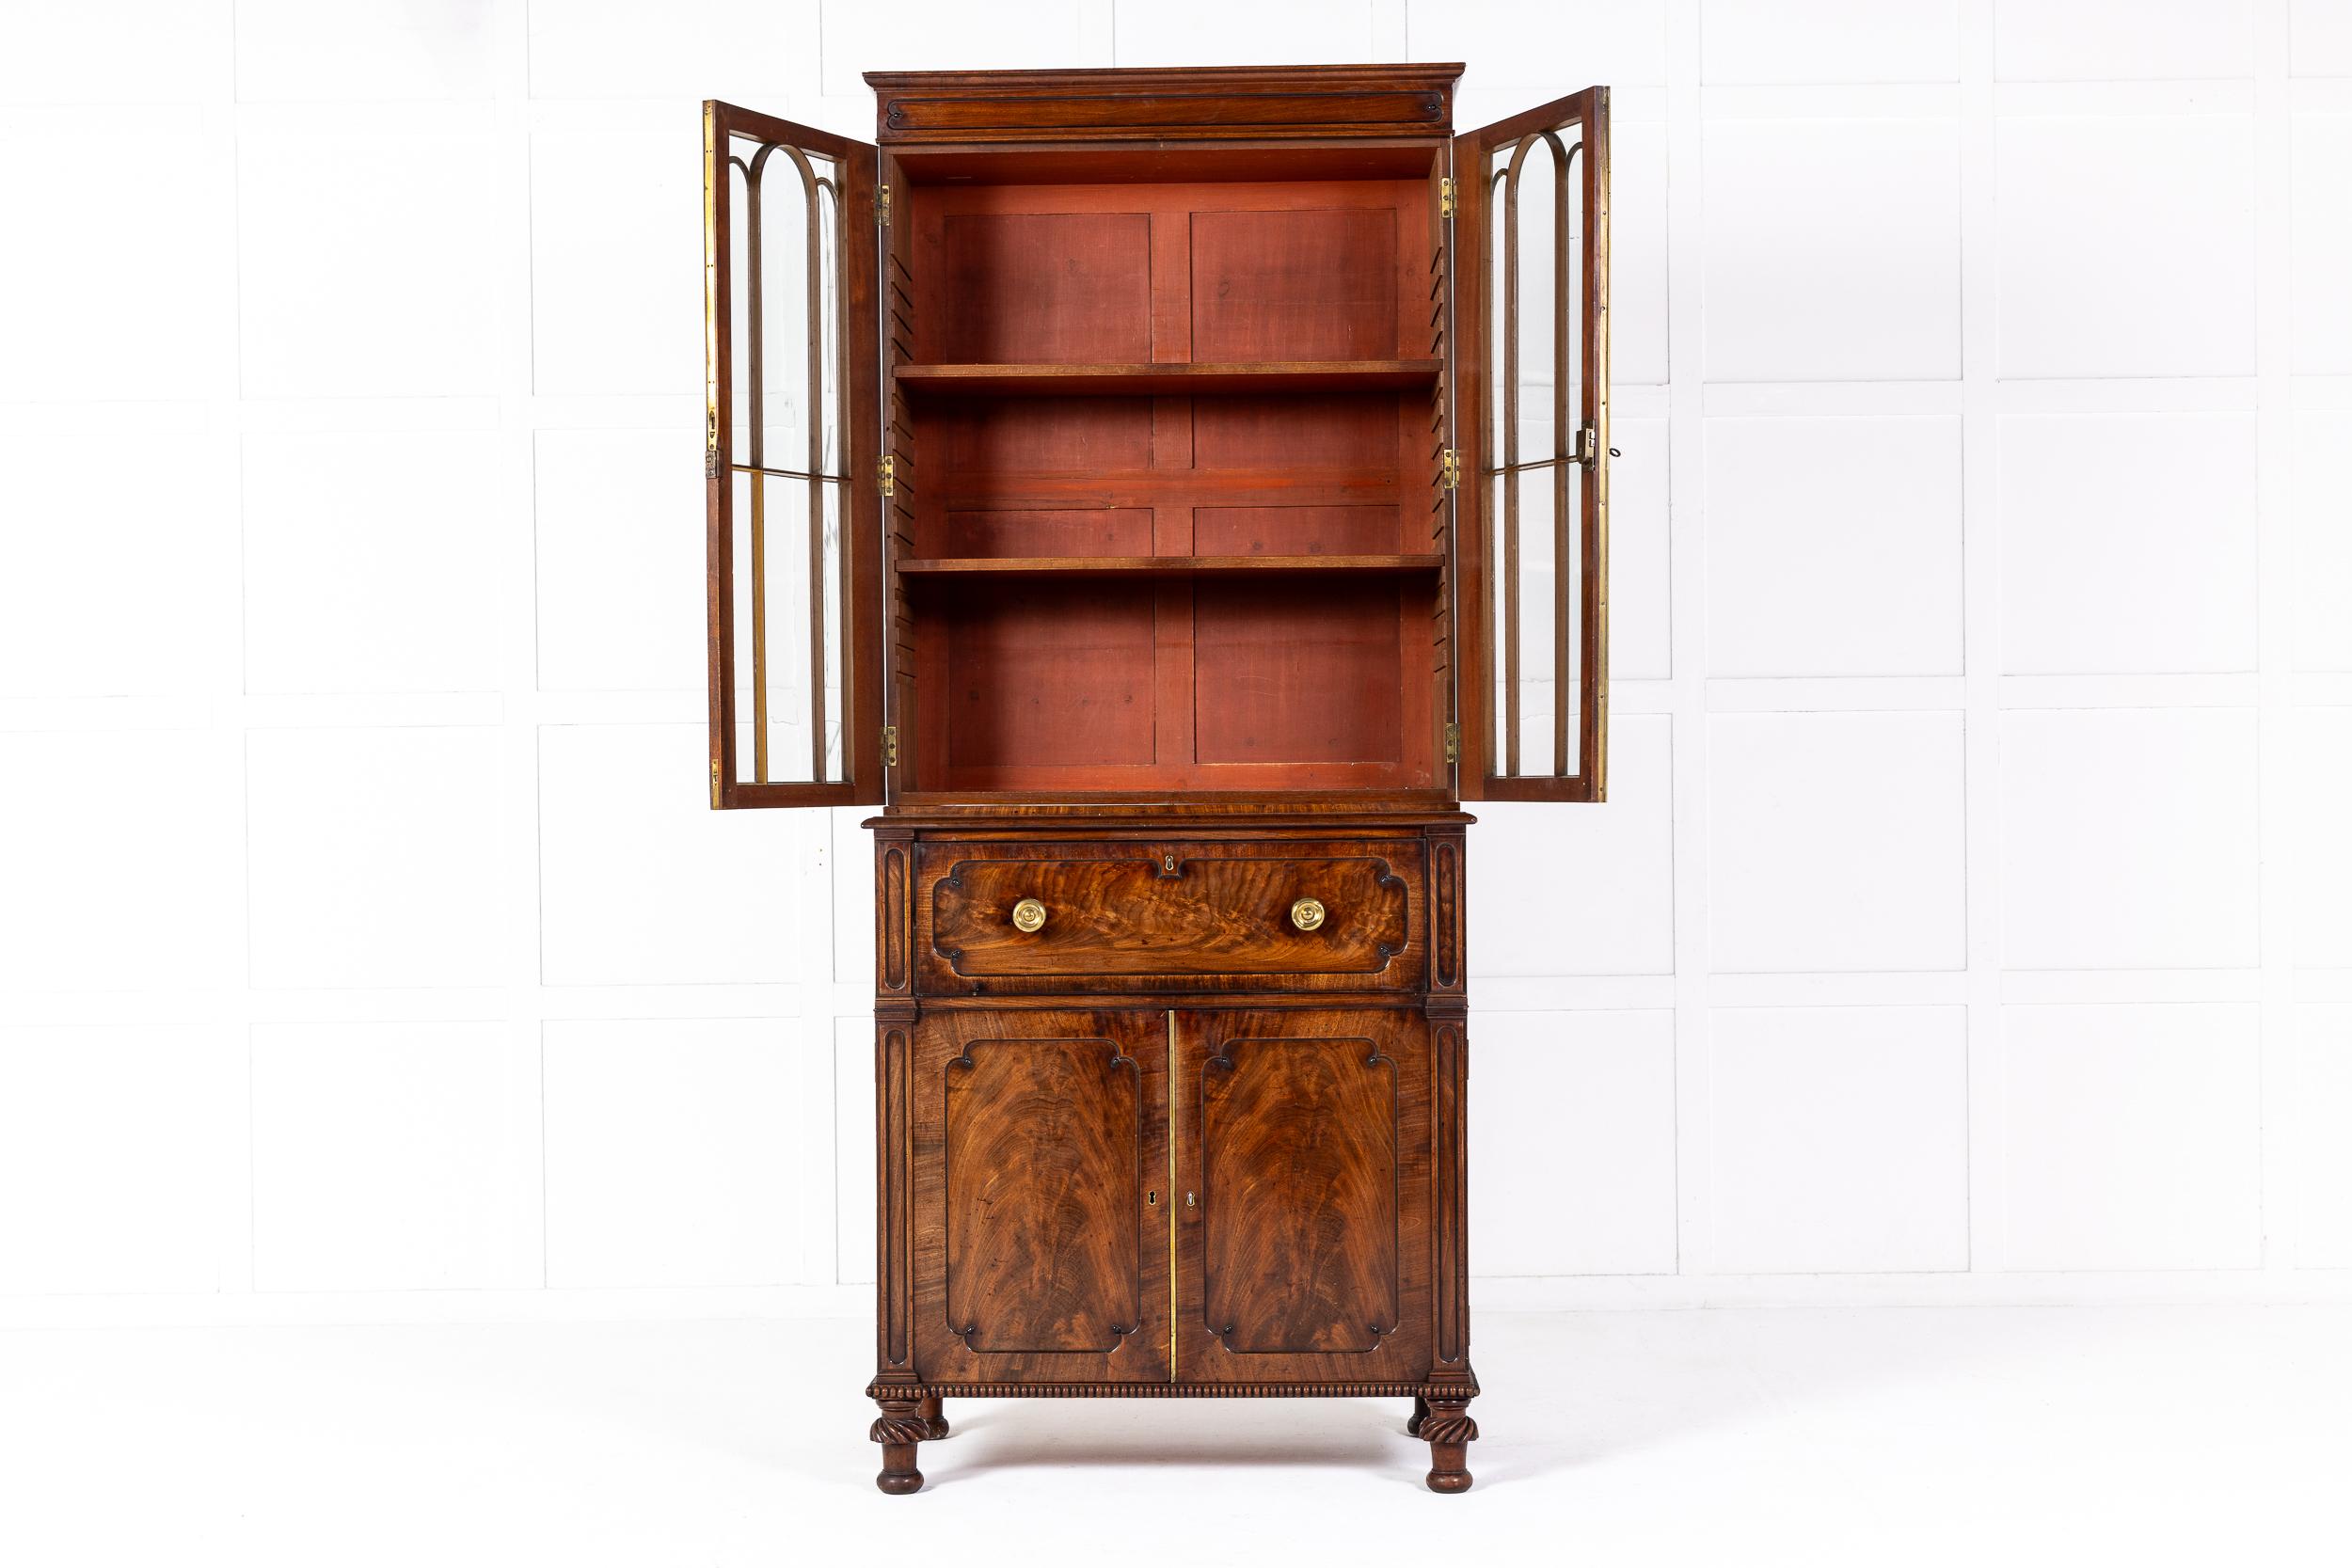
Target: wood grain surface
(1119, 913)
(1045, 1150)
(1298, 1141)
(1305, 1136)
(1320, 101)
(1176, 605)
(1039, 1195)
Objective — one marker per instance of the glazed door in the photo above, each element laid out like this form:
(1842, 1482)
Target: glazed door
(1302, 1154)
(791, 411)
(1530, 290)
(1042, 1194)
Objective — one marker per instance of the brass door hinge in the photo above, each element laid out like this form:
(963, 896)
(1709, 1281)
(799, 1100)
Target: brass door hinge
(890, 745)
(1445, 195)
(718, 799)
(1454, 743)
(886, 471)
(1448, 468)
(881, 205)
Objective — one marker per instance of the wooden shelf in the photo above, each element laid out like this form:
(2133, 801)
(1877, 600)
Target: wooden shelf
(1166, 566)
(1060, 380)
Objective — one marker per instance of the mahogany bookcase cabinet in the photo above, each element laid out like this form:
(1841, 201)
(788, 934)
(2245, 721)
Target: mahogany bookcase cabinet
(1168, 495)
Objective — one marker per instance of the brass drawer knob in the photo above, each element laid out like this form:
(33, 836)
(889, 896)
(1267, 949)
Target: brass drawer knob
(1307, 914)
(1030, 915)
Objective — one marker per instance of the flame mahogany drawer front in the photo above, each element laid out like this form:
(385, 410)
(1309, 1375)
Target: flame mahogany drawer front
(1320, 915)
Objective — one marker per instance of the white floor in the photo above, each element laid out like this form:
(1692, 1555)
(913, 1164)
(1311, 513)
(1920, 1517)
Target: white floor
(1889, 1436)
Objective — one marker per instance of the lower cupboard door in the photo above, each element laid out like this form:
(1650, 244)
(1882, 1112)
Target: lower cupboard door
(1302, 1152)
(1041, 1195)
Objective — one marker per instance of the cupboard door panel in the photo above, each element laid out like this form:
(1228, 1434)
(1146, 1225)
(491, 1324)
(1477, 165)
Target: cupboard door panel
(1298, 1173)
(1531, 282)
(793, 528)
(1041, 1196)
(1303, 1145)
(1044, 1142)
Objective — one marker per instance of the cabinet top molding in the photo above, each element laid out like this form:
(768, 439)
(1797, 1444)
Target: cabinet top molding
(1334, 101)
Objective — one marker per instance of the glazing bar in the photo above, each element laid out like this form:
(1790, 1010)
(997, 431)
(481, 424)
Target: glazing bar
(813, 416)
(758, 337)
(1510, 582)
(1561, 523)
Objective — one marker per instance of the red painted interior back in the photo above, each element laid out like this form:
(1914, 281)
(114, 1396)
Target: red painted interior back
(1146, 679)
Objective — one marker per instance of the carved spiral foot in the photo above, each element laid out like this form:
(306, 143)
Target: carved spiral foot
(1421, 1414)
(900, 1426)
(1448, 1428)
(938, 1427)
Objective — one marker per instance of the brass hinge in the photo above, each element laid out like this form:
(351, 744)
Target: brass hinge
(890, 745)
(1454, 743)
(1448, 468)
(881, 205)
(886, 471)
(710, 445)
(717, 800)
(1445, 195)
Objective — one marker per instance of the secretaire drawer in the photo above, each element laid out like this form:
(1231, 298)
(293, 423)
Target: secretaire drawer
(1325, 915)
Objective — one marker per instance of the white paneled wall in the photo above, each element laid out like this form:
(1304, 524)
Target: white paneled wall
(1968, 921)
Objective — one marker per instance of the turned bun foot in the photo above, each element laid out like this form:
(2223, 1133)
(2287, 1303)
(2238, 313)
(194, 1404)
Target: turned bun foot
(898, 1428)
(938, 1423)
(1447, 1426)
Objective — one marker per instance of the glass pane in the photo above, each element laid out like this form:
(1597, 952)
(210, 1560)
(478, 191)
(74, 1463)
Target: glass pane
(788, 452)
(1533, 489)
